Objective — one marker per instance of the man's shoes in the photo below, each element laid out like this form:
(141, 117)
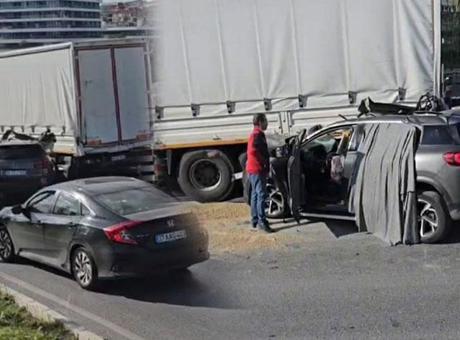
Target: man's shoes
(266, 227)
(254, 225)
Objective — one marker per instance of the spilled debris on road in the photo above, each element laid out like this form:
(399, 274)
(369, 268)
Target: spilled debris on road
(230, 231)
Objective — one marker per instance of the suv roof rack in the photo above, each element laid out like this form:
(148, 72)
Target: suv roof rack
(46, 139)
(368, 106)
(428, 104)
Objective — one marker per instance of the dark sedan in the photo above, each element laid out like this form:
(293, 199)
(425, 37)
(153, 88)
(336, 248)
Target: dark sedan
(103, 228)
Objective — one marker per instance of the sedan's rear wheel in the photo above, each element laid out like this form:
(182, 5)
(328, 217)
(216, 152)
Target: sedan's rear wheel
(433, 219)
(84, 269)
(6, 246)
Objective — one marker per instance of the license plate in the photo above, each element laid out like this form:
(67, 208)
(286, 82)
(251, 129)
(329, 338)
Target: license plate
(170, 237)
(14, 172)
(118, 158)
(238, 175)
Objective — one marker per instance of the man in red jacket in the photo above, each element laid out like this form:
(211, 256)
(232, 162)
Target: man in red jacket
(257, 167)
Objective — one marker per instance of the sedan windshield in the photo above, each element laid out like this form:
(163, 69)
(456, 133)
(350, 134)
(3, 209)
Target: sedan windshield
(134, 201)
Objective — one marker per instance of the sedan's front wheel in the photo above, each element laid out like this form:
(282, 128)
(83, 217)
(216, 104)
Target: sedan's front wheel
(84, 269)
(6, 246)
(433, 218)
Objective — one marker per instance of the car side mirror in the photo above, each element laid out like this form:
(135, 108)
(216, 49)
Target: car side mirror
(17, 210)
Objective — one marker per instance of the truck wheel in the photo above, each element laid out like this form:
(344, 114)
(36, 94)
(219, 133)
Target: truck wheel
(433, 219)
(206, 175)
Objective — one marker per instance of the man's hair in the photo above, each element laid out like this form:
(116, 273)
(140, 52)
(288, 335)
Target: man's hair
(259, 118)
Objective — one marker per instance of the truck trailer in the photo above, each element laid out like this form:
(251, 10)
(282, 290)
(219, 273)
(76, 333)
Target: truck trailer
(216, 63)
(93, 96)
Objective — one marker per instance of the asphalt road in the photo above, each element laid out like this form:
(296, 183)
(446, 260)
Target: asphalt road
(336, 283)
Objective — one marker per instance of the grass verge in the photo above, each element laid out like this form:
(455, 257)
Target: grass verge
(17, 324)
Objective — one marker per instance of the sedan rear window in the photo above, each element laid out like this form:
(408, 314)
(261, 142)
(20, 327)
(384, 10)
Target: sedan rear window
(134, 201)
(20, 151)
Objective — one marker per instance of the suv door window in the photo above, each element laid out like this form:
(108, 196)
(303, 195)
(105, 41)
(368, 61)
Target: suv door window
(436, 135)
(356, 138)
(323, 161)
(67, 205)
(333, 141)
(42, 203)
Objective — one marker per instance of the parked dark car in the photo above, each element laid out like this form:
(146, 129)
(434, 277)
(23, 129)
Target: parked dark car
(25, 167)
(103, 227)
(437, 168)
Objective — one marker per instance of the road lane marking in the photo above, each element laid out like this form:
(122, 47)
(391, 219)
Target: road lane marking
(88, 315)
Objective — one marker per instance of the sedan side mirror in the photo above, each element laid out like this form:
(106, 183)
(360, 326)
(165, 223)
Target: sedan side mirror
(18, 209)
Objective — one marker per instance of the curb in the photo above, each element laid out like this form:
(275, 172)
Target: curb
(42, 312)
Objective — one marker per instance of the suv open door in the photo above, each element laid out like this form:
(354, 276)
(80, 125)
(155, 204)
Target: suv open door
(296, 179)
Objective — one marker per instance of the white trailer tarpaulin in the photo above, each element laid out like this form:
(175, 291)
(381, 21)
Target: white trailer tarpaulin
(28, 78)
(213, 51)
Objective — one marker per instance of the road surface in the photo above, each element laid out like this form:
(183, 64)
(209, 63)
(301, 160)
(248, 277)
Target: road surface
(335, 283)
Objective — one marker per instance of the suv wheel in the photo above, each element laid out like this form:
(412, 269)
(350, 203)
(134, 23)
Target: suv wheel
(276, 203)
(433, 219)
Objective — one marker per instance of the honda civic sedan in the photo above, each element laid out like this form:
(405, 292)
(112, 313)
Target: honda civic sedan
(101, 228)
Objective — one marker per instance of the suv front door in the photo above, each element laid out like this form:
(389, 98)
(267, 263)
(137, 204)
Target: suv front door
(296, 179)
(323, 168)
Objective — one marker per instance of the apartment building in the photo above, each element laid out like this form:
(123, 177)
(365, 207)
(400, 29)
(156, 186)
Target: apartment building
(46, 21)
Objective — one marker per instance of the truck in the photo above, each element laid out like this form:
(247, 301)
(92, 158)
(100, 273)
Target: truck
(218, 62)
(94, 96)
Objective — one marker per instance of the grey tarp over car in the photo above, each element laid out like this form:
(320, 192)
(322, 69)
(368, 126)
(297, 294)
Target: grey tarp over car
(383, 195)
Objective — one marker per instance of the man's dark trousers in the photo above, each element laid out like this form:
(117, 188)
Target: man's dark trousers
(258, 198)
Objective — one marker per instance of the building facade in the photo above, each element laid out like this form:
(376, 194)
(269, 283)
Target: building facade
(124, 14)
(46, 21)
(450, 27)
(450, 5)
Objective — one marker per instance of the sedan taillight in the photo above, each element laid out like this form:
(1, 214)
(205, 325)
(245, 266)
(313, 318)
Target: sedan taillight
(452, 158)
(119, 232)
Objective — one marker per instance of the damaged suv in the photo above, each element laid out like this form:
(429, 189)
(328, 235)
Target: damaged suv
(320, 194)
